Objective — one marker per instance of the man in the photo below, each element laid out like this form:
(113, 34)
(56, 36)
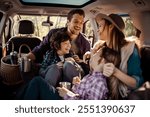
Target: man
(80, 44)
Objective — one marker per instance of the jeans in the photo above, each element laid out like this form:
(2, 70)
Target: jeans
(53, 74)
(39, 88)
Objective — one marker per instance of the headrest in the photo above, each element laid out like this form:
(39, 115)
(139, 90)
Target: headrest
(26, 27)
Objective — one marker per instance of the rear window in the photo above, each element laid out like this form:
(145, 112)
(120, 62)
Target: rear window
(40, 23)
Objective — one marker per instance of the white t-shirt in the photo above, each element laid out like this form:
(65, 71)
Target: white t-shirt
(62, 58)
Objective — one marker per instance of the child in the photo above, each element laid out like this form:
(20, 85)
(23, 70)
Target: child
(94, 85)
(53, 68)
(55, 56)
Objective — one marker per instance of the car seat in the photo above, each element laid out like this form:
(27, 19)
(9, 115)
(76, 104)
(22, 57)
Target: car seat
(26, 30)
(145, 62)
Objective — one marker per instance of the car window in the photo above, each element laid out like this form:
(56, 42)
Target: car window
(89, 32)
(41, 29)
(130, 29)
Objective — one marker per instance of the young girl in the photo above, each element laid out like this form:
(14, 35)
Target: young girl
(94, 85)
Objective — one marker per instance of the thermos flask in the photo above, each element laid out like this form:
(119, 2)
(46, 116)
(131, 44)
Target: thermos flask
(14, 58)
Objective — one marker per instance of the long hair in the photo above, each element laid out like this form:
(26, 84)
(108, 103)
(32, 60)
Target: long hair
(117, 38)
(117, 41)
(111, 56)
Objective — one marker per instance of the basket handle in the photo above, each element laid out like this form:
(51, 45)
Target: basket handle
(21, 48)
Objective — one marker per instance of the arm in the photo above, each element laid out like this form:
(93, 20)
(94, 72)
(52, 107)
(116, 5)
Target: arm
(95, 89)
(41, 49)
(133, 78)
(83, 45)
(67, 94)
(128, 80)
(87, 46)
(134, 68)
(31, 56)
(95, 48)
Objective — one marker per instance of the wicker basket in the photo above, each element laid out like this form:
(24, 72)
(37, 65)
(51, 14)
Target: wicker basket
(10, 73)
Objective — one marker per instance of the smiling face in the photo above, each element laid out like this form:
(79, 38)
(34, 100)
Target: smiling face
(64, 48)
(75, 24)
(103, 30)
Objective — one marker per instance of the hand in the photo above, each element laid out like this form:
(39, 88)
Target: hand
(77, 59)
(108, 69)
(94, 50)
(76, 80)
(31, 56)
(147, 85)
(69, 59)
(60, 64)
(86, 56)
(62, 91)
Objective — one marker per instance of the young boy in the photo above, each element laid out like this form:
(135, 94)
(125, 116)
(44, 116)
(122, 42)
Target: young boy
(53, 66)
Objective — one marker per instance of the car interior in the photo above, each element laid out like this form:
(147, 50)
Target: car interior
(28, 22)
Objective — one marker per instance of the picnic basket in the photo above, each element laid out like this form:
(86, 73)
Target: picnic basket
(11, 73)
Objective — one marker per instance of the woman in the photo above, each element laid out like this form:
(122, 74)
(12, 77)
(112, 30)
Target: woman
(128, 76)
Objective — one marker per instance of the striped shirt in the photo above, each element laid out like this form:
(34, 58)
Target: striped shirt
(92, 87)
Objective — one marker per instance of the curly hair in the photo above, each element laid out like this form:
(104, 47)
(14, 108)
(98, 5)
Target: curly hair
(57, 38)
